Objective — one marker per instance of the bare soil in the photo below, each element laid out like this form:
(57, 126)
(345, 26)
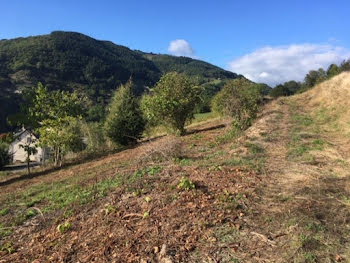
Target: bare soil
(252, 201)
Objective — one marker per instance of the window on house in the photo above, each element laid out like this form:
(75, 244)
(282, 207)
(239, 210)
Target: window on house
(29, 140)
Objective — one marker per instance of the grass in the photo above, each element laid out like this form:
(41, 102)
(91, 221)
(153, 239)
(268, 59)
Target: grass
(198, 118)
(305, 137)
(64, 195)
(201, 117)
(4, 174)
(254, 159)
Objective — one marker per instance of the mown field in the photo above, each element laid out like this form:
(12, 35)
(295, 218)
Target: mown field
(279, 192)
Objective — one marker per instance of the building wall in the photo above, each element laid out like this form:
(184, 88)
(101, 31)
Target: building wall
(18, 153)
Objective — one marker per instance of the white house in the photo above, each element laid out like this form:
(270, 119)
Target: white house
(25, 137)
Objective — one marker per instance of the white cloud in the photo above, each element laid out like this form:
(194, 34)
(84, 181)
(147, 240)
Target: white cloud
(181, 47)
(274, 65)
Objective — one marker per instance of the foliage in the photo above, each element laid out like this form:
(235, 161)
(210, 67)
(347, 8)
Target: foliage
(314, 77)
(62, 135)
(188, 66)
(75, 62)
(30, 149)
(171, 102)
(124, 123)
(240, 100)
(94, 136)
(332, 70)
(287, 89)
(264, 88)
(63, 227)
(54, 115)
(345, 66)
(185, 184)
(4, 154)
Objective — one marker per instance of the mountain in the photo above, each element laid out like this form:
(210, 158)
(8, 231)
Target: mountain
(93, 68)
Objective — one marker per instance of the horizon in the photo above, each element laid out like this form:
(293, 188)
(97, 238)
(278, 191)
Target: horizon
(267, 44)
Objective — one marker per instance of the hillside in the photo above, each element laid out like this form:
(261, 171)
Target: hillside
(278, 193)
(93, 68)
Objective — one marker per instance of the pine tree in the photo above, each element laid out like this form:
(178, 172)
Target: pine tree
(124, 122)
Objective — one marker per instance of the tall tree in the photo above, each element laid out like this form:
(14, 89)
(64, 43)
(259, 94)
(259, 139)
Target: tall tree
(124, 122)
(54, 115)
(332, 70)
(314, 77)
(30, 148)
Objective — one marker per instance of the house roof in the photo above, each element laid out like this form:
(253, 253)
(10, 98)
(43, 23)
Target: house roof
(23, 130)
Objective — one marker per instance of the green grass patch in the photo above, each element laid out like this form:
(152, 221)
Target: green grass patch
(183, 161)
(200, 117)
(304, 138)
(4, 211)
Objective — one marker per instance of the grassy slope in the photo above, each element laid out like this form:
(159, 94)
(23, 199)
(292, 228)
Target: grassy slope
(278, 193)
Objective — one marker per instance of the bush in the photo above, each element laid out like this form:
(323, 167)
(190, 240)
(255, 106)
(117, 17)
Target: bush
(240, 100)
(287, 89)
(94, 136)
(124, 123)
(4, 155)
(171, 102)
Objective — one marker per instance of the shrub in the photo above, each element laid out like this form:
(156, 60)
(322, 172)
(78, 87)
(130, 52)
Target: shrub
(240, 100)
(124, 123)
(4, 155)
(94, 136)
(171, 102)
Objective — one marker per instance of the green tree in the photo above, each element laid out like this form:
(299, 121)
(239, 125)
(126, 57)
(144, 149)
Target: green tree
(240, 100)
(30, 149)
(314, 77)
(345, 66)
(332, 70)
(124, 122)
(287, 89)
(264, 88)
(61, 135)
(171, 102)
(55, 116)
(4, 154)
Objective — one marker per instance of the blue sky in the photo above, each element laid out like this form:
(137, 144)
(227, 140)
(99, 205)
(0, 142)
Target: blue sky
(269, 41)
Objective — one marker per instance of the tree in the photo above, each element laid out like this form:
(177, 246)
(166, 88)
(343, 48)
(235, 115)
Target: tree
(287, 89)
(314, 77)
(345, 66)
(171, 102)
(240, 100)
(61, 135)
(332, 70)
(264, 88)
(30, 149)
(4, 154)
(55, 116)
(124, 122)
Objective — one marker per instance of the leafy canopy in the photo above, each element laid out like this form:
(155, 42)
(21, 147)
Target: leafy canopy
(171, 102)
(240, 100)
(124, 123)
(55, 116)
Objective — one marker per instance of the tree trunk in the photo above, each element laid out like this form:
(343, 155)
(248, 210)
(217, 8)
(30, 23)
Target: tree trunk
(28, 163)
(56, 156)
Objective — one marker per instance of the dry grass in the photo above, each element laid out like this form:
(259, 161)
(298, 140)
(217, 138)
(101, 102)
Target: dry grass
(330, 102)
(166, 148)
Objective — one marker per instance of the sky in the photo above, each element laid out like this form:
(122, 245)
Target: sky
(267, 41)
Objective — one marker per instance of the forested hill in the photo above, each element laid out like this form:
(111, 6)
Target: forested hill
(93, 68)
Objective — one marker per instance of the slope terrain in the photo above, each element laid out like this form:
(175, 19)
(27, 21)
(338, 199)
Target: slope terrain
(277, 193)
